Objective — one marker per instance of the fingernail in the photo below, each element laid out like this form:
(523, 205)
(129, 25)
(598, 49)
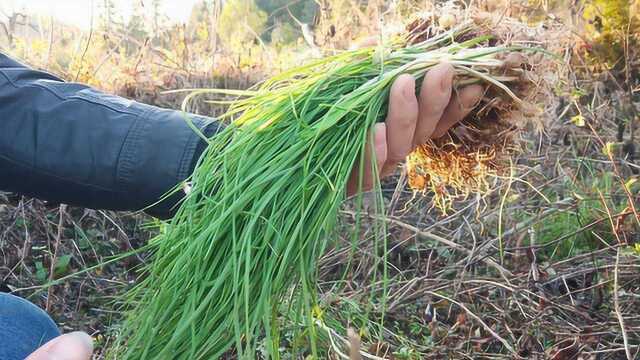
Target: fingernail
(380, 139)
(409, 91)
(84, 339)
(379, 130)
(75, 345)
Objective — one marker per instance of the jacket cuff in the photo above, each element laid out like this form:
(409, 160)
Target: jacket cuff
(209, 130)
(159, 153)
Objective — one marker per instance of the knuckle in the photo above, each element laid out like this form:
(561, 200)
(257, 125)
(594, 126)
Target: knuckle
(434, 109)
(396, 157)
(405, 119)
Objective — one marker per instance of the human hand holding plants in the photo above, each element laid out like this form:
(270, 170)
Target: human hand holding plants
(412, 120)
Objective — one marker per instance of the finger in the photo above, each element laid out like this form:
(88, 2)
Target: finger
(401, 121)
(458, 108)
(435, 94)
(71, 346)
(380, 150)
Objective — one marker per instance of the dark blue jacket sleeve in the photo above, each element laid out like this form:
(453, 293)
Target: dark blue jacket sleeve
(68, 143)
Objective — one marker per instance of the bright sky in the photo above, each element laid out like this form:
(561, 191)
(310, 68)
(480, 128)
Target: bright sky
(78, 12)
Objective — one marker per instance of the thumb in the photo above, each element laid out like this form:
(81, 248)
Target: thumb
(71, 346)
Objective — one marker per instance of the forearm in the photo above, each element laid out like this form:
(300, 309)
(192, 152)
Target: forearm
(69, 143)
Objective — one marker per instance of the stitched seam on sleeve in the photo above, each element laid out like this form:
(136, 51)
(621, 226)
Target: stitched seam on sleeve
(131, 150)
(80, 97)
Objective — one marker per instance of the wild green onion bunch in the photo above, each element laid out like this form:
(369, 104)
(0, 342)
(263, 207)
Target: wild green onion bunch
(264, 201)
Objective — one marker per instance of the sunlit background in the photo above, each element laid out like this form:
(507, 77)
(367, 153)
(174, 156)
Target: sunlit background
(79, 12)
(142, 48)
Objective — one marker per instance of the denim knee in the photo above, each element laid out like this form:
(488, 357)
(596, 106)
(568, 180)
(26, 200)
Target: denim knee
(24, 327)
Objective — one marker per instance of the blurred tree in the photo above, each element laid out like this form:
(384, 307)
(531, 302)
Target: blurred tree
(286, 18)
(613, 28)
(10, 27)
(110, 23)
(157, 19)
(107, 14)
(216, 7)
(284, 33)
(613, 35)
(199, 22)
(241, 22)
(136, 27)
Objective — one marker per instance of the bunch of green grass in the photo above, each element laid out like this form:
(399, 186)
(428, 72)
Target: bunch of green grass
(264, 200)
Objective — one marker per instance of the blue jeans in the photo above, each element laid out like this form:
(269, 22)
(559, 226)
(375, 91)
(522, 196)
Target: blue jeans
(24, 327)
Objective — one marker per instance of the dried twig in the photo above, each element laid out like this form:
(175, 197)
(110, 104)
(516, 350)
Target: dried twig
(616, 306)
(486, 327)
(54, 258)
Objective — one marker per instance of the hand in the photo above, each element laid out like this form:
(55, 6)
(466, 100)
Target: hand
(411, 121)
(71, 346)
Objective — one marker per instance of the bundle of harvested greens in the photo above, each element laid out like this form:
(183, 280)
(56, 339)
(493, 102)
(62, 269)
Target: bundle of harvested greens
(265, 196)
